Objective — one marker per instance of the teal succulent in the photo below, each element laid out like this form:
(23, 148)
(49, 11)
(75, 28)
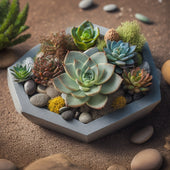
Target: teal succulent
(119, 53)
(87, 80)
(21, 73)
(85, 35)
(12, 23)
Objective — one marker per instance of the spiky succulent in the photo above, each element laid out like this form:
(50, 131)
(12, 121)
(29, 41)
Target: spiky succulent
(85, 35)
(12, 23)
(45, 68)
(137, 80)
(21, 73)
(119, 53)
(87, 80)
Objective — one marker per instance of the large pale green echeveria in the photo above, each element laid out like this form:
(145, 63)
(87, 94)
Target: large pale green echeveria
(87, 80)
(85, 35)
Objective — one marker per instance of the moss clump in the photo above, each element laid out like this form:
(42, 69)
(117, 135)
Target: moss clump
(55, 104)
(100, 44)
(130, 32)
(119, 102)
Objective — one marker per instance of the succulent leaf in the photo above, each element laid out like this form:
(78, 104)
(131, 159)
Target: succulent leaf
(99, 58)
(60, 86)
(75, 102)
(4, 7)
(85, 35)
(106, 75)
(93, 90)
(75, 55)
(98, 101)
(112, 85)
(68, 82)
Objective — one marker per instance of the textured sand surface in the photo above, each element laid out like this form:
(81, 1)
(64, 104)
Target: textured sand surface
(22, 141)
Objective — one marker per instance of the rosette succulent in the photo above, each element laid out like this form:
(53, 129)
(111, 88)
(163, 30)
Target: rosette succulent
(119, 53)
(21, 73)
(137, 80)
(85, 35)
(87, 80)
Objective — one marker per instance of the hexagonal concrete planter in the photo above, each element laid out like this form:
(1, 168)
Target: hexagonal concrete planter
(97, 128)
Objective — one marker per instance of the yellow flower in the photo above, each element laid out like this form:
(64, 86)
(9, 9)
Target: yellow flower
(55, 104)
(119, 102)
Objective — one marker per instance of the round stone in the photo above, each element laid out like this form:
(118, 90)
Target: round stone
(142, 135)
(117, 167)
(39, 100)
(85, 117)
(84, 4)
(63, 109)
(110, 8)
(146, 160)
(30, 87)
(165, 71)
(41, 89)
(77, 114)
(7, 165)
(52, 92)
(67, 115)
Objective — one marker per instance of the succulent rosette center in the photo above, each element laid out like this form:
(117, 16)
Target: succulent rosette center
(87, 80)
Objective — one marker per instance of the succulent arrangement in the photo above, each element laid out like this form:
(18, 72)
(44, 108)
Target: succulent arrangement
(12, 23)
(75, 82)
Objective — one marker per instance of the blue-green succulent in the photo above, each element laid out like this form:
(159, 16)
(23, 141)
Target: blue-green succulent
(119, 53)
(85, 35)
(87, 80)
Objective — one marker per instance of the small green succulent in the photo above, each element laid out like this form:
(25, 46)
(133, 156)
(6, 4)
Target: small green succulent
(119, 53)
(21, 73)
(87, 80)
(85, 35)
(12, 23)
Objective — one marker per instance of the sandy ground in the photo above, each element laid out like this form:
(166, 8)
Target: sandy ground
(22, 141)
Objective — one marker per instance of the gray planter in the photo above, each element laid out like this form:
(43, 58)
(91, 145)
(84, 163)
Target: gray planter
(97, 128)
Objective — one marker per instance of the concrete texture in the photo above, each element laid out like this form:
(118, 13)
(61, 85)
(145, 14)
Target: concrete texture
(22, 141)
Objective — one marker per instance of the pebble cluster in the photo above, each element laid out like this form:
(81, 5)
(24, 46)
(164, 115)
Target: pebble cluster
(87, 4)
(40, 96)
